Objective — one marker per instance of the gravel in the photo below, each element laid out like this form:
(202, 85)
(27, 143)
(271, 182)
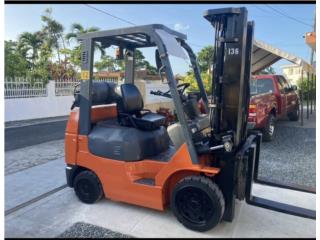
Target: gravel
(85, 230)
(291, 156)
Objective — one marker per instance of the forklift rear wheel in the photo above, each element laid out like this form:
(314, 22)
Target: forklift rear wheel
(268, 131)
(198, 203)
(88, 187)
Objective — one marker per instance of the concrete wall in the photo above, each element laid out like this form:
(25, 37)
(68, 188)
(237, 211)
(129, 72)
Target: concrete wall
(38, 107)
(53, 106)
(153, 102)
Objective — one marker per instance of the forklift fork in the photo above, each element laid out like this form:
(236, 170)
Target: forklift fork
(252, 156)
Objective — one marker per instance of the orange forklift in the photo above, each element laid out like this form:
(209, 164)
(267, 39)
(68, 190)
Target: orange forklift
(114, 148)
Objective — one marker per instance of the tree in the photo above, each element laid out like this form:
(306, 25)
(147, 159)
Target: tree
(142, 63)
(29, 45)
(73, 55)
(303, 85)
(41, 70)
(205, 58)
(190, 78)
(77, 29)
(15, 64)
(205, 61)
(151, 68)
(106, 63)
(139, 59)
(53, 31)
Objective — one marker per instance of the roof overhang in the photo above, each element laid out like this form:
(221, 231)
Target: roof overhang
(264, 55)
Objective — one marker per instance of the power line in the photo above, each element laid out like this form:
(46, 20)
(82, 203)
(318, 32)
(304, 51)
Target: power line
(190, 43)
(258, 7)
(268, 16)
(126, 21)
(290, 17)
(111, 15)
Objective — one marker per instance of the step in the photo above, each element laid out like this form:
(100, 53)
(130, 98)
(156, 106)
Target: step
(145, 181)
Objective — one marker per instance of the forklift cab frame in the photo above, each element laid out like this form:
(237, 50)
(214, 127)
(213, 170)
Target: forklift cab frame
(154, 35)
(148, 181)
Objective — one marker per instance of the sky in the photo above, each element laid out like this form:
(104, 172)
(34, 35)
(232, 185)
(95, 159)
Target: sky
(270, 26)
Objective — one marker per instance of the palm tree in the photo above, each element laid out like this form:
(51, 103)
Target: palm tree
(30, 42)
(54, 31)
(77, 29)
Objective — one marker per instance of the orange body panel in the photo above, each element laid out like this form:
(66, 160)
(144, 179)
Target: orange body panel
(117, 177)
(98, 113)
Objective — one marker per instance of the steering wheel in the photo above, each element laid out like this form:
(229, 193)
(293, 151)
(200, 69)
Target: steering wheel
(182, 87)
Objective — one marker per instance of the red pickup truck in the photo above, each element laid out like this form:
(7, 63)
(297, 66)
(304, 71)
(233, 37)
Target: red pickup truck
(272, 97)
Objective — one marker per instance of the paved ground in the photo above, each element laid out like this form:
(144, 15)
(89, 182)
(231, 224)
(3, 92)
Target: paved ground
(27, 133)
(53, 215)
(26, 185)
(23, 158)
(35, 208)
(24, 123)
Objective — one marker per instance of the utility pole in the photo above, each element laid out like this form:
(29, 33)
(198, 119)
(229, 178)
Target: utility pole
(313, 75)
(314, 30)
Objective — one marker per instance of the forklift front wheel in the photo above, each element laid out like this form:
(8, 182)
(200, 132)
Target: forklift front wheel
(88, 187)
(198, 203)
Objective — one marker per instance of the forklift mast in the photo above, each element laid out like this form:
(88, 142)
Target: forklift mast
(229, 106)
(231, 71)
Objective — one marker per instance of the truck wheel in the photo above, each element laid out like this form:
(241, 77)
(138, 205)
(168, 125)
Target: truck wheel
(294, 116)
(197, 203)
(268, 131)
(88, 187)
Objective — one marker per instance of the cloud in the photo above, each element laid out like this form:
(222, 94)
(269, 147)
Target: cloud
(181, 26)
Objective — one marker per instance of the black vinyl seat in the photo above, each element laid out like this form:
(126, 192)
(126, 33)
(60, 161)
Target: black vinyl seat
(111, 140)
(130, 110)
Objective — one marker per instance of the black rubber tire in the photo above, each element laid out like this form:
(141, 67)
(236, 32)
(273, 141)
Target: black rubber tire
(211, 206)
(267, 133)
(294, 116)
(87, 187)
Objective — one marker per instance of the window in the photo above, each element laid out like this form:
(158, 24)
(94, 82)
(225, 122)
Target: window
(281, 83)
(285, 83)
(261, 85)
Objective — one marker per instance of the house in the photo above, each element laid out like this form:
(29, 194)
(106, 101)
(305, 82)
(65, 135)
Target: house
(292, 73)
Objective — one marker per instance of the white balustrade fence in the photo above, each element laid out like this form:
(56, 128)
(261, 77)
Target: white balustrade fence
(25, 100)
(24, 88)
(27, 88)
(65, 87)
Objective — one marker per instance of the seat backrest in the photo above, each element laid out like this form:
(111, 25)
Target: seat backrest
(131, 99)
